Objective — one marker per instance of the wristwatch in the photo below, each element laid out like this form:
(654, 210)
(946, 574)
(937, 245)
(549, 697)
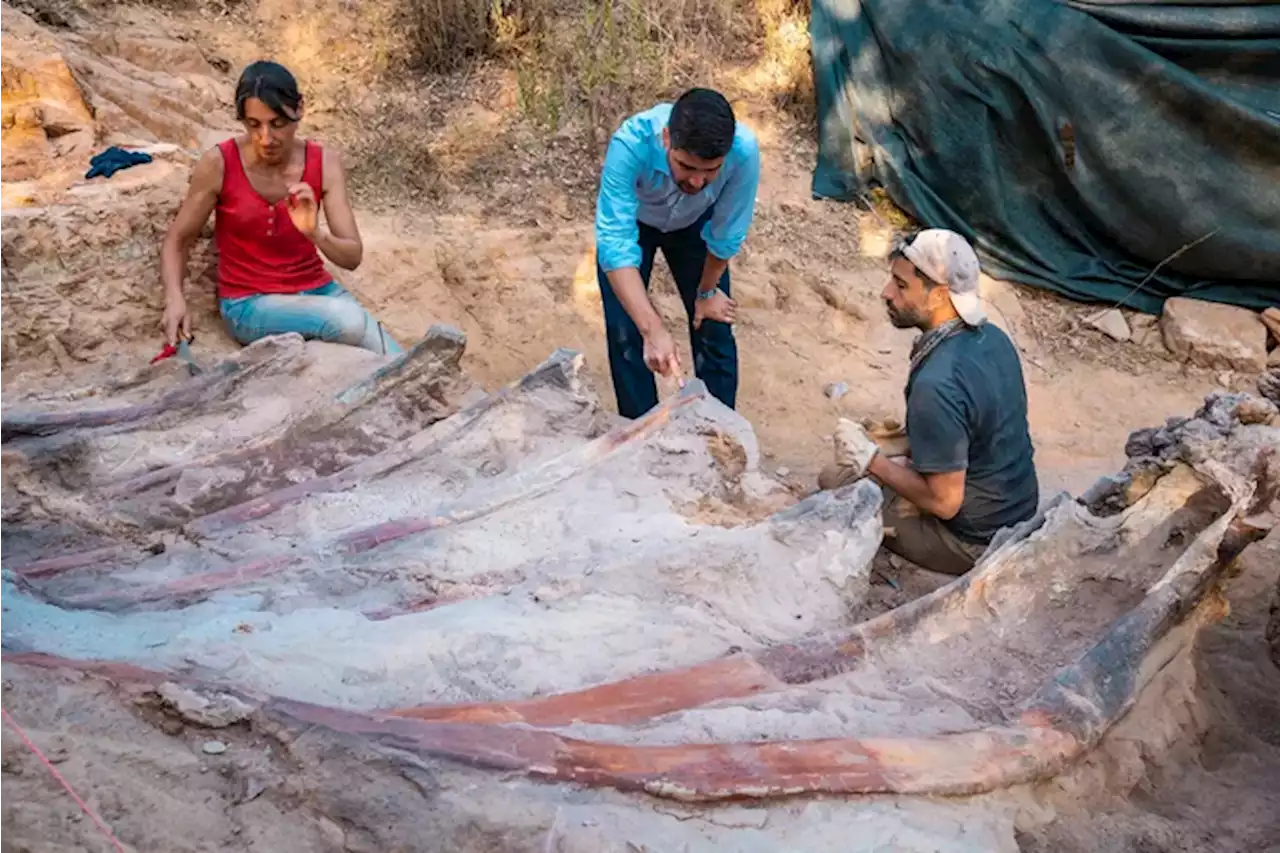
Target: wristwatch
(707, 294)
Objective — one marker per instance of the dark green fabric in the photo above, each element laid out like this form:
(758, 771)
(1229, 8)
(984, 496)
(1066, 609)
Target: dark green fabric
(967, 411)
(965, 112)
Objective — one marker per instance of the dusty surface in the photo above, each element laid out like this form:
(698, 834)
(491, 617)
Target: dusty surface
(1217, 787)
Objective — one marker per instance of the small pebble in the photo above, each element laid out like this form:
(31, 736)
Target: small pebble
(784, 472)
(214, 747)
(588, 571)
(836, 390)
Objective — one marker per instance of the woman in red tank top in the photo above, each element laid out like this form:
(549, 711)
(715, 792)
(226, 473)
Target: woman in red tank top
(267, 189)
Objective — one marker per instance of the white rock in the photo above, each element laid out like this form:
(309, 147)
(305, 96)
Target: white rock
(214, 747)
(836, 390)
(205, 708)
(1111, 323)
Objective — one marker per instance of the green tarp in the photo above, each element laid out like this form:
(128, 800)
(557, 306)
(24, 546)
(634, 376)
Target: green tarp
(1078, 145)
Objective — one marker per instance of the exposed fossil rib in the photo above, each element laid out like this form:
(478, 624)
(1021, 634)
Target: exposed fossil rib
(560, 368)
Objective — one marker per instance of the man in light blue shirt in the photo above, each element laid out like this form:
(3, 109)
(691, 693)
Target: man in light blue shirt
(681, 178)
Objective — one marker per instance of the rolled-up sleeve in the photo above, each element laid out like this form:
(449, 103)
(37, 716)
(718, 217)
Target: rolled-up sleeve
(617, 232)
(725, 232)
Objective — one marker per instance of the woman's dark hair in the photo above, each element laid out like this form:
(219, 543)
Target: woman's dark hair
(702, 123)
(271, 83)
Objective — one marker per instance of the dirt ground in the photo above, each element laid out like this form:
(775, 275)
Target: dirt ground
(1217, 790)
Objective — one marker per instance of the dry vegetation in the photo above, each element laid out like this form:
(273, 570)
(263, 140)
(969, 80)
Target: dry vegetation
(397, 82)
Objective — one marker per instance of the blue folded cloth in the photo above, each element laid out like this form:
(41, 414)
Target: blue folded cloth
(113, 160)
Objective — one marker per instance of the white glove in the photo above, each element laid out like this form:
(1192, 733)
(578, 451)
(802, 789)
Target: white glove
(854, 448)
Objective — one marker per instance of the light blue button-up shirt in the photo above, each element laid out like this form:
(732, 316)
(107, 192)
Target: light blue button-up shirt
(636, 186)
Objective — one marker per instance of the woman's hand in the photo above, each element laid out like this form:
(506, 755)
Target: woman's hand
(176, 319)
(303, 209)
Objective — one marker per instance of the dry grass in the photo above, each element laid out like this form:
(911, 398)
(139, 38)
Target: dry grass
(783, 74)
(570, 74)
(611, 58)
(444, 35)
(606, 59)
(388, 79)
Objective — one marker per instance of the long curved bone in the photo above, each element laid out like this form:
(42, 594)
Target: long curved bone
(1070, 713)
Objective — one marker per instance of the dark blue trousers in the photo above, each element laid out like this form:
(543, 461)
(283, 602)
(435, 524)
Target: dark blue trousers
(715, 352)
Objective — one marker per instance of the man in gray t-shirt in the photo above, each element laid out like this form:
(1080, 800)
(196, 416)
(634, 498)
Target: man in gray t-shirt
(971, 469)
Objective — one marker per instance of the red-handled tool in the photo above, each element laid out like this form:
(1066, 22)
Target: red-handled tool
(168, 351)
(183, 352)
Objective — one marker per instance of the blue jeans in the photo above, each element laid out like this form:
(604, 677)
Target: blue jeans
(715, 352)
(326, 313)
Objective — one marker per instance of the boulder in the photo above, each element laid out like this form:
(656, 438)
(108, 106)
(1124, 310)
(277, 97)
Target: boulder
(94, 253)
(45, 114)
(1210, 334)
(1271, 319)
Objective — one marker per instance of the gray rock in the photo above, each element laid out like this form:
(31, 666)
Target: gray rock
(1269, 384)
(1141, 442)
(1111, 323)
(213, 747)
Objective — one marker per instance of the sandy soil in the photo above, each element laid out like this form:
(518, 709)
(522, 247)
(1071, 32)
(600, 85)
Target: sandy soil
(1217, 789)
(812, 316)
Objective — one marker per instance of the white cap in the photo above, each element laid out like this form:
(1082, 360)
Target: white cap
(947, 258)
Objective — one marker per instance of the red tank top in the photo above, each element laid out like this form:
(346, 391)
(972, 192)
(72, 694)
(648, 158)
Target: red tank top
(259, 249)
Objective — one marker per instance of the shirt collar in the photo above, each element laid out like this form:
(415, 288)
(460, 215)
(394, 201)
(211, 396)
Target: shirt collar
(658, 153)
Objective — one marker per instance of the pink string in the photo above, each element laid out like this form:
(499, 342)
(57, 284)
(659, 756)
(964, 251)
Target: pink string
(49, 764)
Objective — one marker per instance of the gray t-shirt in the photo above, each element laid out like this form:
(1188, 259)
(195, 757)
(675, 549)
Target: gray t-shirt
(967, 410)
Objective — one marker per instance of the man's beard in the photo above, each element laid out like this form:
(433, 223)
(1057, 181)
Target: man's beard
(908, 318)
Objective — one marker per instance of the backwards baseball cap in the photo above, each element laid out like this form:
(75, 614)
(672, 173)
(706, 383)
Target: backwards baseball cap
(947, 258)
